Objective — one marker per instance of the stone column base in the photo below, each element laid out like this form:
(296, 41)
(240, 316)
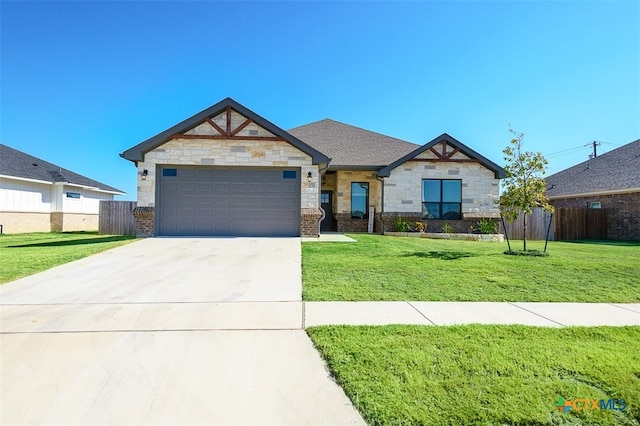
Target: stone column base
(145, 221)
(310, 222)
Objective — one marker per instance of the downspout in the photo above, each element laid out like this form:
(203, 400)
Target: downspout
(381, 202)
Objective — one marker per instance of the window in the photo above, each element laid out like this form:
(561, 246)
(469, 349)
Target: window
(73, 195)
(170, 172)
(325, 197)
(594, 205)
(359, 200)
(442, 199)
(289, 174)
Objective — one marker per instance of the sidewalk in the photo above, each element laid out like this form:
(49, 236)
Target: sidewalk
(448, 313)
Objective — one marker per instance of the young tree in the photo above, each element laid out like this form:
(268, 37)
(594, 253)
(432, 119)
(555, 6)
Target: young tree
(524, 186)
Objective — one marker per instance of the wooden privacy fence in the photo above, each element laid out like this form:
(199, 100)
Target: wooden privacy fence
(580, 224)
(537, 224)
(116, 218)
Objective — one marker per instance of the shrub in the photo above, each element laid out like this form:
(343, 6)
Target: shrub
(486, 226)
(401, 225)
(446, 228)
(420, 226)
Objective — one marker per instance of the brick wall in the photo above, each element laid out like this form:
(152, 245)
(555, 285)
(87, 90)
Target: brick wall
(19, 222)
(309, 222)
(623, 213)
(144, 221)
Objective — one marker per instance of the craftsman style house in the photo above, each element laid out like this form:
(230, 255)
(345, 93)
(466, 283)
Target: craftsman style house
(229, 171)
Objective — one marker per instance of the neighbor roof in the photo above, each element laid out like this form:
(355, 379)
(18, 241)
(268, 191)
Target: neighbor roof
(14, 163)
(137, 152)
(615, 171)
(499, 171)
(350, 146)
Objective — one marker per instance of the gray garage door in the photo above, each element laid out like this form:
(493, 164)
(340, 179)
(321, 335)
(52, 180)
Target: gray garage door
(203, 201)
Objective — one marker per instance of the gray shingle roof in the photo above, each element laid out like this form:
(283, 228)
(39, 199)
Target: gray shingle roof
(19, 164)
(352, 146)
(614, 171)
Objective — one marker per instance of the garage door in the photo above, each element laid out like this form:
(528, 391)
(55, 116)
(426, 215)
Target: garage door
(203, 201)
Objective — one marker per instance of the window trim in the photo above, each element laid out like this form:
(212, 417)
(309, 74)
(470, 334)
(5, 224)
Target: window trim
(366, 206)
(440, 203)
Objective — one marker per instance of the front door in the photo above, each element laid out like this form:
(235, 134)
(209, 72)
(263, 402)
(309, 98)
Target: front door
(326, 202)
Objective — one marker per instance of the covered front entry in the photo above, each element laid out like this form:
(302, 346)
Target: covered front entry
(227, 201)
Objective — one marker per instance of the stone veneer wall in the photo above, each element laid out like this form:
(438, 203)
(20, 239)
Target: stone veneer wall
(342, 200)
(403, 189)
(239, 153)
(623, 213)
(80, 222)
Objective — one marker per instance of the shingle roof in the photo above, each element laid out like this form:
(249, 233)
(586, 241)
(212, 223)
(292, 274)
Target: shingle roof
(352, 146)
(137, 152)
(614, 171)
(19, 164)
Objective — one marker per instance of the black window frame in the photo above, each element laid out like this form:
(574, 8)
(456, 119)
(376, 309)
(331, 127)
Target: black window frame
(440, 203)
(74, 195)
(366, 205)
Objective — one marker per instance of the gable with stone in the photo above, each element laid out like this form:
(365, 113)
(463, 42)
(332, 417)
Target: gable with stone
(229, 171)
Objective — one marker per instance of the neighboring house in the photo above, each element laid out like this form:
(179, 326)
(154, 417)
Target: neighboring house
(37, 196)
(610, 181)
(229, 171)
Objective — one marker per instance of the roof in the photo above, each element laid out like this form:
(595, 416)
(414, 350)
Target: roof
(14, 163)
(615, 171)
(137, 152)
(499, 171)
(350, 146)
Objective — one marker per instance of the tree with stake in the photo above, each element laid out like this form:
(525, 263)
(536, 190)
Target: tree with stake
(524, 186)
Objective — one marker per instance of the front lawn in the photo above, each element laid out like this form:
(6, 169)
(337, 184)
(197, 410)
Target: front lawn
(26, 254)
(392, 268)
(488, 375)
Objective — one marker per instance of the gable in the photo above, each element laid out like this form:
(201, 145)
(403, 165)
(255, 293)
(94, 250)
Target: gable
(226, 120)
(444, 148)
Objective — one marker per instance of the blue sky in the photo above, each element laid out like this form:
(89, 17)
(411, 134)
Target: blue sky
(83, 81)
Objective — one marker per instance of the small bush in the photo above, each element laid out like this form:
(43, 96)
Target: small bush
(401, 225)
(447, 229)
(487, 226)
(421, 226)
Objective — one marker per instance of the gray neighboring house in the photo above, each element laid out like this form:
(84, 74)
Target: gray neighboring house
(610, 181)
(229, 171)
(38, 196)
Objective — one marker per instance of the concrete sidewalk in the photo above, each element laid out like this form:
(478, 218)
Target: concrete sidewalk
(449, 313)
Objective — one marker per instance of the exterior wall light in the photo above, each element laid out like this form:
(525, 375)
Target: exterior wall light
(309, 176)
(145, 172)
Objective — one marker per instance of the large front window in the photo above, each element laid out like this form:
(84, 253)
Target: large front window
(359, 200)
(441, 199)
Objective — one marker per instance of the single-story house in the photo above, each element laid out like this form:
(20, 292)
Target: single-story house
(229, 171)
(609, 181)
(38, 196)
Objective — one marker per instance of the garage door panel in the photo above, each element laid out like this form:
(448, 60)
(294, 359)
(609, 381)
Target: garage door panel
(229, 201)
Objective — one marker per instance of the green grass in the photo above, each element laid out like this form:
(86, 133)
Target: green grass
(484, 375)
(392, 268)
(26, 254)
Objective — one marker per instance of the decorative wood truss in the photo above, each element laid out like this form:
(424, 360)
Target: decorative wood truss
(440, 153)
(224, 129)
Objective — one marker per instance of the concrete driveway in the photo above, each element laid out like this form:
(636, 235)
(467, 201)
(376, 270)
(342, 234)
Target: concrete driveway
(166, 331)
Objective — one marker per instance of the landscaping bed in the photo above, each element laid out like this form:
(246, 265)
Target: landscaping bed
(27, 254)
(449, 236)
(487, 375)
(378, 267)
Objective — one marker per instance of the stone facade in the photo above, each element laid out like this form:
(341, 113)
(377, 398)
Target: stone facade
(480, 188)
(342, 199)
(623, 213)
(230, 153)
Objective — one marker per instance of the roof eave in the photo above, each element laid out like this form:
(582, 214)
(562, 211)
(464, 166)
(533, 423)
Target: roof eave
(137, 152)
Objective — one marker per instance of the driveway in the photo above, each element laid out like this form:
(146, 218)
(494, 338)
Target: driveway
(166, 331)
